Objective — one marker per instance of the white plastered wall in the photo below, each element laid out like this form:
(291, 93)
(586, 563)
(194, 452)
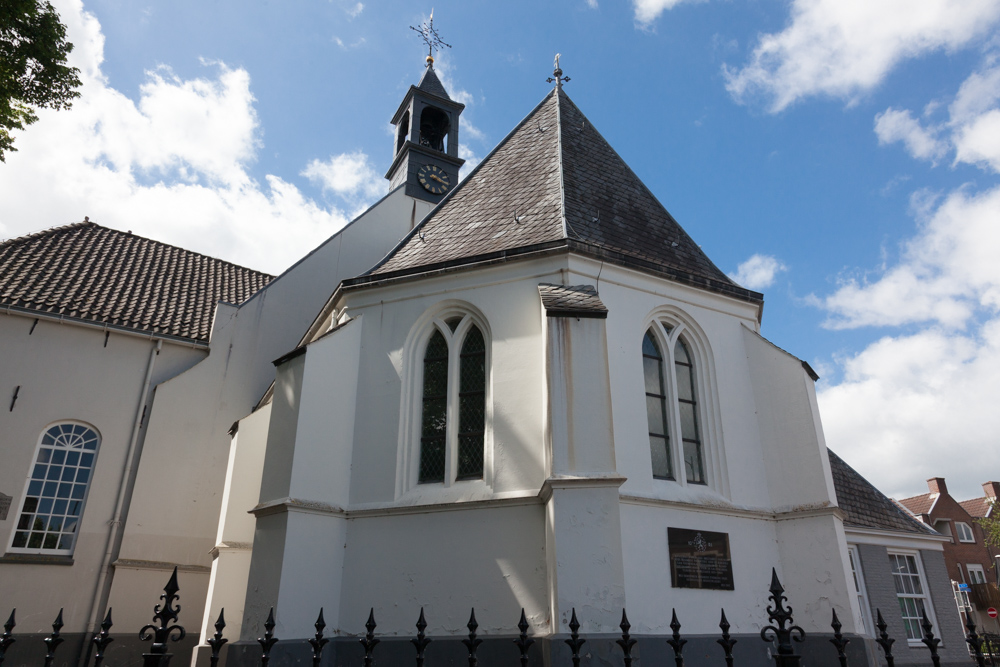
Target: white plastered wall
(437, 522)
(67, 372)
(192, 413)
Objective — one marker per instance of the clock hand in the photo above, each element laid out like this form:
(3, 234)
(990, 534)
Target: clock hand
(439, 180)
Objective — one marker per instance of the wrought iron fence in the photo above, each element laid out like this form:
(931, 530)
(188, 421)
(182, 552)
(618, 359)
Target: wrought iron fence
(781, 633)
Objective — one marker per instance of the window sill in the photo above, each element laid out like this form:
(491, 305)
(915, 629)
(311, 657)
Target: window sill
(35, 559)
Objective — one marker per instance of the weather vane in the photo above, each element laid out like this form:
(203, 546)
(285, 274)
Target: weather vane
(431, 38)
(557, 73)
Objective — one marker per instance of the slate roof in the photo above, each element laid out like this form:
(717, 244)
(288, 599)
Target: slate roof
(430, 83)
(88, 272)
(554, 182)
(921, 504)
(867, 507)
(571, 301)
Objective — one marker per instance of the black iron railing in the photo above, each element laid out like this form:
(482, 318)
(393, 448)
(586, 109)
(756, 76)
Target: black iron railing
(782, 633)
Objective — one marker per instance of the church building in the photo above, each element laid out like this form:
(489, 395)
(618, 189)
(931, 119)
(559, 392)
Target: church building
(526, 390)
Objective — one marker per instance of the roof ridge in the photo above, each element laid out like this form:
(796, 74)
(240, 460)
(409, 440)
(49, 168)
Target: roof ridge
(48, 231)
(63, 228)
(559, 159)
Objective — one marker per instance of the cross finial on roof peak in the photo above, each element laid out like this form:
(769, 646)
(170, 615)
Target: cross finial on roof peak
(430, 37)
(557, 73)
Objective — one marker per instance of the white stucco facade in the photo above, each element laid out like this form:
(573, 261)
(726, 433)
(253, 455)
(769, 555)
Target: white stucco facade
(567, 513)
(163, 409)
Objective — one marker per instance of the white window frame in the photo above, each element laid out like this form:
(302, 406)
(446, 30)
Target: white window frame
(976, 568)
(411, 407)
(55, 500)
(706, 399)
(964, 532)
(924, 596)
(854, 557)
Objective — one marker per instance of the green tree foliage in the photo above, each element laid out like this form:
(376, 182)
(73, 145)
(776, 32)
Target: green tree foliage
(33, 70)
(991, 526)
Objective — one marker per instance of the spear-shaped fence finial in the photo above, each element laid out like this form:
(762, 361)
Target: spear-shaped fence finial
(217, 641)
(102, 639)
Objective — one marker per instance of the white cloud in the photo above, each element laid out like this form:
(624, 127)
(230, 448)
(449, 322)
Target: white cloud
(895, 125)
(972, 129)
(844, 48)
(355, 10)
(758, 272)
(471, 161)
(348, 175)
(946, 274)
(360, 41)
(924, 400)
(172, 166)
(592, 4)
(919, 406)
(647, 11)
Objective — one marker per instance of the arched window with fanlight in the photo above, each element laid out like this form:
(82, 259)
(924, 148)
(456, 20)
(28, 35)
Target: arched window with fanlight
(453, 402)
(49, 517)
(672, 405)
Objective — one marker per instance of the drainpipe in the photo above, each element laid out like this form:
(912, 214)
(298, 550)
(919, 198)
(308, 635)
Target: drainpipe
(117, 525)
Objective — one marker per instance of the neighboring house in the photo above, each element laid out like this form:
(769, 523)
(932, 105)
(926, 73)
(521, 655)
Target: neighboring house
(141, 355)
(898, 566)
(969, 560)
(92, 321)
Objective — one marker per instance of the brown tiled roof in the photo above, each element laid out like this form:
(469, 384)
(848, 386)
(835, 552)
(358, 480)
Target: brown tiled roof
(571, 301)
(919, 504)
(554, 182)
(866, 506)
(977, 507)
(91, 273)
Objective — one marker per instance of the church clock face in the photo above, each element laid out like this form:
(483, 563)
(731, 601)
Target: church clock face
(434, 179)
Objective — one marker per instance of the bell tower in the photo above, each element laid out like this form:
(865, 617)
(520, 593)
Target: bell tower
(425, 150)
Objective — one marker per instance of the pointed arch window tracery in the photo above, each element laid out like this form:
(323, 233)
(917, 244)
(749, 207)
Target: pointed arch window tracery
(453, 403)
(672, 404)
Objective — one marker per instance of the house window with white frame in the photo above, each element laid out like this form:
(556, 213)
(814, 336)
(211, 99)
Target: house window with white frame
(453, 403)
(964, 531)
(977, 575)
(865, 623)
(672, 404)
(911, 591)
(49, 517)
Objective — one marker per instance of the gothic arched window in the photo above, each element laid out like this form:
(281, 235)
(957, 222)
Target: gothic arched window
(49, 517)
(656, 407)
(453, 403)
(672, 404)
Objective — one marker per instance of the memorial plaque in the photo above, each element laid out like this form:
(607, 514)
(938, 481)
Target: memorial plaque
(4, 505)
(699, 559)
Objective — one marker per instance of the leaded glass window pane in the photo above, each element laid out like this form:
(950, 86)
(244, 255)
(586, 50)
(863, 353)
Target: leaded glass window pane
(684, 369)
(656, 407)
(435, 410)
(51, 509)
(472, 405)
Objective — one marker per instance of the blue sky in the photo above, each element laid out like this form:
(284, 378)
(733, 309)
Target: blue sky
(839, 155)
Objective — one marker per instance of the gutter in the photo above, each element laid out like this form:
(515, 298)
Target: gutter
(104, 326)
(117, 524)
